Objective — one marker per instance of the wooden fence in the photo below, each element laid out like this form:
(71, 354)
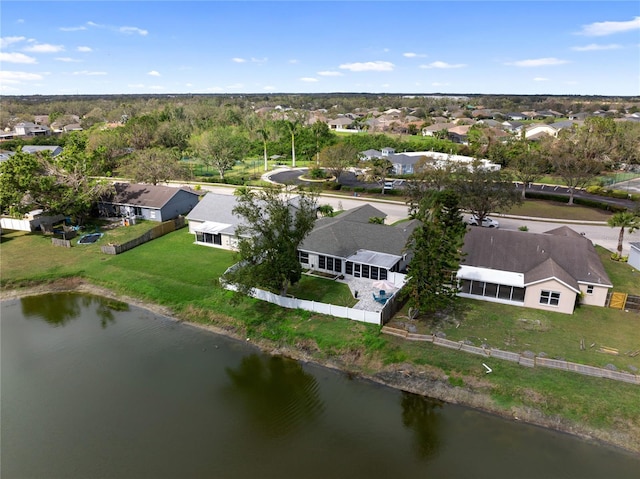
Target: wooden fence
(155, 232)
(527, 361)
(65, 243)
(623, 301)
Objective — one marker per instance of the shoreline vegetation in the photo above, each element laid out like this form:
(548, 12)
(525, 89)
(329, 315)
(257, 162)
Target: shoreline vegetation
(417, 377)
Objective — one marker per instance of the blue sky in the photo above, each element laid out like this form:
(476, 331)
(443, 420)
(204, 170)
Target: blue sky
(502, 47)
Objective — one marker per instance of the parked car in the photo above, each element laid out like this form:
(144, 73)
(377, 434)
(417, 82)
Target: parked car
(486, 222)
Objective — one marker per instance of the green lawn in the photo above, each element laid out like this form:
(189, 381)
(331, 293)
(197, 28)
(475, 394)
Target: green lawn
(625, 278)
(517, 329)
(553, 209)
(323, 290)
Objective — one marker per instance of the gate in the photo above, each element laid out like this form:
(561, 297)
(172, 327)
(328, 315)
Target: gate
(618, 300)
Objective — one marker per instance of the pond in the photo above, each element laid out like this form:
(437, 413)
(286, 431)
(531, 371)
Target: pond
(95, 388)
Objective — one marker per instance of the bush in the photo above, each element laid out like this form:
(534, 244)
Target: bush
(523, 228)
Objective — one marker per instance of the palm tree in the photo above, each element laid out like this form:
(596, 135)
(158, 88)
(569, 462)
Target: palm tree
(293, 127)
(264, 136)
(622, 220)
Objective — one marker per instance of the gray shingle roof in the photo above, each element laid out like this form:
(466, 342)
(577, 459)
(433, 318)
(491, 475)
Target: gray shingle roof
(346, 234)
(148, 196)
(561, 253)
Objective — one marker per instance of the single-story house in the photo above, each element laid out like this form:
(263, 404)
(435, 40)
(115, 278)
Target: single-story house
(348, 244)
(55, 150)
(634, 255)
(552, 271)
(149, 202)
(213, 223)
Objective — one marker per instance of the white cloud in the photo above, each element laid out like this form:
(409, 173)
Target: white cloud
(132, 30)
(154, 73)
(235, 86)
(413, 55)
(6, 41)
(600, 29)
(238, 60)
(294, 61)
(17, 77)
(596, 47)
(126, 30)
(377, 66)
(44, 48)
(540, 79)
(16, 58)
(84, 49)
(259, 60)
(215, 89)
(89, 73)
(308, 79)
(136, 85)
(269, 88)
(68, 60)
(538, 62)
(437, 83)
(330, 74)
(156, 87)
(443, 65)
(73, 29)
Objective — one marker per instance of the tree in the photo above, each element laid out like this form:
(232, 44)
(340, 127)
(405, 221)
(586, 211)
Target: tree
(275, 224)
(435, 247)
(58, 185)
(568, 162)
(337, 158)
(220, 147)
(528, 166)
(322, 135)
(264, 136)
(622, 220)
(580, 154)
(293, 127)
(483, 191)
(154, 165)
(376, 170)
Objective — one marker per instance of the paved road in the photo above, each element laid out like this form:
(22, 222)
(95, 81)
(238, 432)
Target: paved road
(600, 234)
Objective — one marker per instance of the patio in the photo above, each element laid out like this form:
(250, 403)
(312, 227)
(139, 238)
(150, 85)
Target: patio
(366, 290)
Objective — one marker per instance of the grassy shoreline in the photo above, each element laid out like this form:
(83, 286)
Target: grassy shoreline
(187, 290)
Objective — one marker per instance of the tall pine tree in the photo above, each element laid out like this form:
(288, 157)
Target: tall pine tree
(436, 248)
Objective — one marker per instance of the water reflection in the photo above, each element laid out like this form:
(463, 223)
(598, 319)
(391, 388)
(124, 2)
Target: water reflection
(277, 394)
(59, 309)
(422, 416)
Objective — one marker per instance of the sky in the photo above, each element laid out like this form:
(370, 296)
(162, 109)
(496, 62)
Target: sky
(413, 47)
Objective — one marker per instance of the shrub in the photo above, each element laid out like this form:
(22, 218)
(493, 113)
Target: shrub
(523, 228)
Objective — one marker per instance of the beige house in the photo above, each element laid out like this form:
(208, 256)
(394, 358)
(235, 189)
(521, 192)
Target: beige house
(553, 271)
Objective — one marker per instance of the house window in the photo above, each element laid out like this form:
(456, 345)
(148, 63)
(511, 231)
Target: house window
(209, 238)
(365, 270)
(337, 265)
(551, 298)
(303, 257)
(589, 289)
(322, 262)
(137, 211)
(383, 274)
(349, 268)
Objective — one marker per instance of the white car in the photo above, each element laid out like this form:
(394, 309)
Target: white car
(486, 222)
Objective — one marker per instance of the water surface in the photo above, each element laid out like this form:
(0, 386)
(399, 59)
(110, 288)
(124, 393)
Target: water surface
(97, 389)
